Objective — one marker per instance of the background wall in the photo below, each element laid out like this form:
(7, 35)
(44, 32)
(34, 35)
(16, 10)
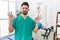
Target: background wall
(0, 31)
(52, 8)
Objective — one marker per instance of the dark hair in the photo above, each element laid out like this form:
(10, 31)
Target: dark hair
(25, 3)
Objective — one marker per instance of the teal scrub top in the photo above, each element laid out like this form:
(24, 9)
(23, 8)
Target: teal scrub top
(23, 27)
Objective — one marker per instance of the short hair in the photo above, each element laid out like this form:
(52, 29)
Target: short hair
(25, 3)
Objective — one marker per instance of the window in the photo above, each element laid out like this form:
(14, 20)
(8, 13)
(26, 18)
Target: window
(12, 0)
(4, 27)
(5, 6)
(3, 9)
(12, 7)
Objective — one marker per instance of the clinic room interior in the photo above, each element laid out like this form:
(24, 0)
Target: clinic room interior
(47, 10)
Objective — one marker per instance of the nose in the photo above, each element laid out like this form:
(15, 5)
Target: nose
(24, 9)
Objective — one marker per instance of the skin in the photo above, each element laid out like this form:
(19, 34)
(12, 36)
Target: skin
(24, 10)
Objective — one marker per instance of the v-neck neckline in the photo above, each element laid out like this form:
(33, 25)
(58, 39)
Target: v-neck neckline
(24, 18)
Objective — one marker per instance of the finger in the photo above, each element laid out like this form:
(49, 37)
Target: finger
(39, 15)
(11, 12)
(8, 13)
(13, 16)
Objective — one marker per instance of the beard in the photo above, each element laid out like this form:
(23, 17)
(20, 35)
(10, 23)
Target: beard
(25, 13)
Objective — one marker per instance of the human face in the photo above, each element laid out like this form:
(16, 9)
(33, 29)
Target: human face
(24, 9)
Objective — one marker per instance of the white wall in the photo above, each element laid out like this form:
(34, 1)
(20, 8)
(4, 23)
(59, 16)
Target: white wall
(33, 7)
(0, 32)
(52, 8)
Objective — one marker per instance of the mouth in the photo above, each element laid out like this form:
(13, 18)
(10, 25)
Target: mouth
(24, 11)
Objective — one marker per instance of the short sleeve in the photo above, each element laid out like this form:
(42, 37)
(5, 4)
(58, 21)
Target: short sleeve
(14, 23)
(34, 24)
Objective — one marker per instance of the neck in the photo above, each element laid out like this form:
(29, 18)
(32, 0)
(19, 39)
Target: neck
(24, 16)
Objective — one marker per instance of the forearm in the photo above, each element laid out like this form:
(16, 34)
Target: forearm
(36, 28)
(11, 29)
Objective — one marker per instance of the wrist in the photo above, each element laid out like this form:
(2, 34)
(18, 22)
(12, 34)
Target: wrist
(37, 22)
(10, 20)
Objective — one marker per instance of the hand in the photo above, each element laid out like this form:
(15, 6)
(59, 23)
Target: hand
(10, 16)
(37, 19)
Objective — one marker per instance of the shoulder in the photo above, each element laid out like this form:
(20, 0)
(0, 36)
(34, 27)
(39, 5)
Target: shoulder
(17, 17)
(30, 19)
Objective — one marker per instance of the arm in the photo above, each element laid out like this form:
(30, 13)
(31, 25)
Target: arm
(11, 29)
(37, 19)
(11, 17)
(36, 28)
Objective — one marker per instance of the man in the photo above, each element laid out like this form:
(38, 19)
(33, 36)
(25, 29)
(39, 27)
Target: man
(23, 24)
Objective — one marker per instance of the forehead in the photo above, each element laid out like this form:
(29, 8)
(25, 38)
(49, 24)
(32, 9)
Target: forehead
(25, 6)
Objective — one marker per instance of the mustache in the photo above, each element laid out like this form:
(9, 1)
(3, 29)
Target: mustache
(24, 11)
